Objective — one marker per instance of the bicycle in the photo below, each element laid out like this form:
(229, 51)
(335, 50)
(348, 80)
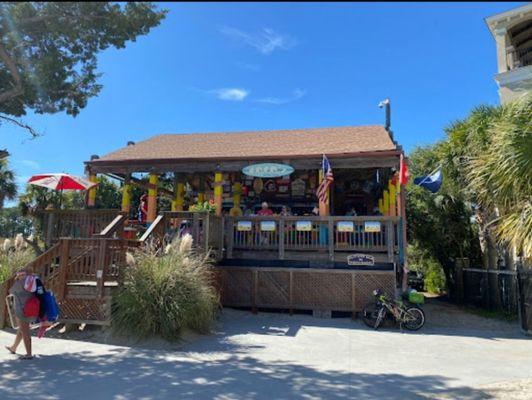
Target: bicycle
(410, 317)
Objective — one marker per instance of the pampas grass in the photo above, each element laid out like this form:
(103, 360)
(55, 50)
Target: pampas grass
(163, 295)
(14, 257)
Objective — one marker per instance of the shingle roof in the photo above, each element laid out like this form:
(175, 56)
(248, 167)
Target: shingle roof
(345, 140)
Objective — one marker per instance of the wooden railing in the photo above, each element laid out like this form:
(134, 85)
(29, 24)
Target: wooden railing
(90, 261)
(298, 234)
(75, 223)
(206, 230)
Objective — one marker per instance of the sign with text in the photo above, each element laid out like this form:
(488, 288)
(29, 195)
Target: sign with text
(303, 226)
(243, 226)
(372, 226)
(267, 226)
(360, 259)
(345, 226)
(268, 170)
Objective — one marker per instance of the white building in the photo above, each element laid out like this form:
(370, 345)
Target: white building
(512, 31)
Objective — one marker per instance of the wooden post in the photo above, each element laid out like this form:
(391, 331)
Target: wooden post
(49, 239)
(281, 238)
(101, 268)
(331, 239)
(254, 290)
(324, 206)
(152, 198)
(389, 240)
(290, 290)
(126, 196)
(353, 295)
(218, 192)
(63, 268)
(195, 229)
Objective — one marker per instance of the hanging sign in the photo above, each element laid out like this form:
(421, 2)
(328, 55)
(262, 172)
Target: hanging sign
(360, 259)
(345, 226)
(267, 226)
(268, 170)
(303, 226)
(372, 226)
(243, 226)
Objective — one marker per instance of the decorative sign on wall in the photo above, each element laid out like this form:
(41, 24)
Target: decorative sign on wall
(372, 226)
(268, 170)
(303, 226)
(298, 187)
(360, 259)
(243, 226)
(267, 226)
(345, 226)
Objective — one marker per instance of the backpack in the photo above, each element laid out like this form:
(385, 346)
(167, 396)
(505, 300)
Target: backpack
(31, 308)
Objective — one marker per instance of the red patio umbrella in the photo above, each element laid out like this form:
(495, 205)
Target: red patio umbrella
(61, 182)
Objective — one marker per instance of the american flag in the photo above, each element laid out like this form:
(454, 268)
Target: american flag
(326, 180)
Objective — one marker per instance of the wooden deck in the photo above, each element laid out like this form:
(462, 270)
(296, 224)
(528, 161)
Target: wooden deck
(294, 262)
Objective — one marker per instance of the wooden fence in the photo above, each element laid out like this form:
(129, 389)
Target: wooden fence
(75, 223)
(332, 235)
(206, 230)
(302, 289)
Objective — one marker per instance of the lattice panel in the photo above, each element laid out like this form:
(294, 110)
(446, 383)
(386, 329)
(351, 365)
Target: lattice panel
(321, 290)
(237, 287)
(273, 289)
(82, 304)
(366, 283)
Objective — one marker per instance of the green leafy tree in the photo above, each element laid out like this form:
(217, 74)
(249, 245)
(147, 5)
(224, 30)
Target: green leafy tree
(48, 51)
(501, 175)
(8, 187)
(13, 222)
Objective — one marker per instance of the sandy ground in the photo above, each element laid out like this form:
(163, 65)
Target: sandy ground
(275, 356)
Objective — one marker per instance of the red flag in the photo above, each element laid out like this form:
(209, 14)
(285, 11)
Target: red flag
(403, 172)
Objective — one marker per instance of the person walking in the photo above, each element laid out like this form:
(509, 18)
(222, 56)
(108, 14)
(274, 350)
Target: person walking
(22, 292)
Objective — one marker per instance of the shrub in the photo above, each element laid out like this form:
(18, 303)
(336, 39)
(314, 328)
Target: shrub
(164, 294)
(14, 255)
(420, 259)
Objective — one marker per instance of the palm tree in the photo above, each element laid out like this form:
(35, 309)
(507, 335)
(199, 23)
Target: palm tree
(8, 187)
(501, 176)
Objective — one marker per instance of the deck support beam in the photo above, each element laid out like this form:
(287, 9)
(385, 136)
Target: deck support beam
(218, 192)
(152, 198)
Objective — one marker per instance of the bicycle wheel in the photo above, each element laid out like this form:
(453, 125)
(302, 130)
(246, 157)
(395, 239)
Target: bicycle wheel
(370, 314)
(414, 318)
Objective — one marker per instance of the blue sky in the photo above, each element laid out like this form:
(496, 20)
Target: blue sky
(224, 67)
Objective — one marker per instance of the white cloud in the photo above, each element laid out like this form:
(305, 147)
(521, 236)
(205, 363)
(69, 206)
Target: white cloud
(296, 95)
(266, 41)
(231, 94)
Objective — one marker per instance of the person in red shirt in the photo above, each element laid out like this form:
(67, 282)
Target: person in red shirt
(265, 210)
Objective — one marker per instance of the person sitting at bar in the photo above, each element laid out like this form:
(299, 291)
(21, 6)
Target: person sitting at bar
(285, 211)
(265, 209)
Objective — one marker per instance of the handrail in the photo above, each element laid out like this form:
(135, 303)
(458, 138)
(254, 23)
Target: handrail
(113, 226)
(155, 225)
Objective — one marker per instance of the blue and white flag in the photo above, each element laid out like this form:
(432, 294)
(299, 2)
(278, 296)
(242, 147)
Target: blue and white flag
(430, 182)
